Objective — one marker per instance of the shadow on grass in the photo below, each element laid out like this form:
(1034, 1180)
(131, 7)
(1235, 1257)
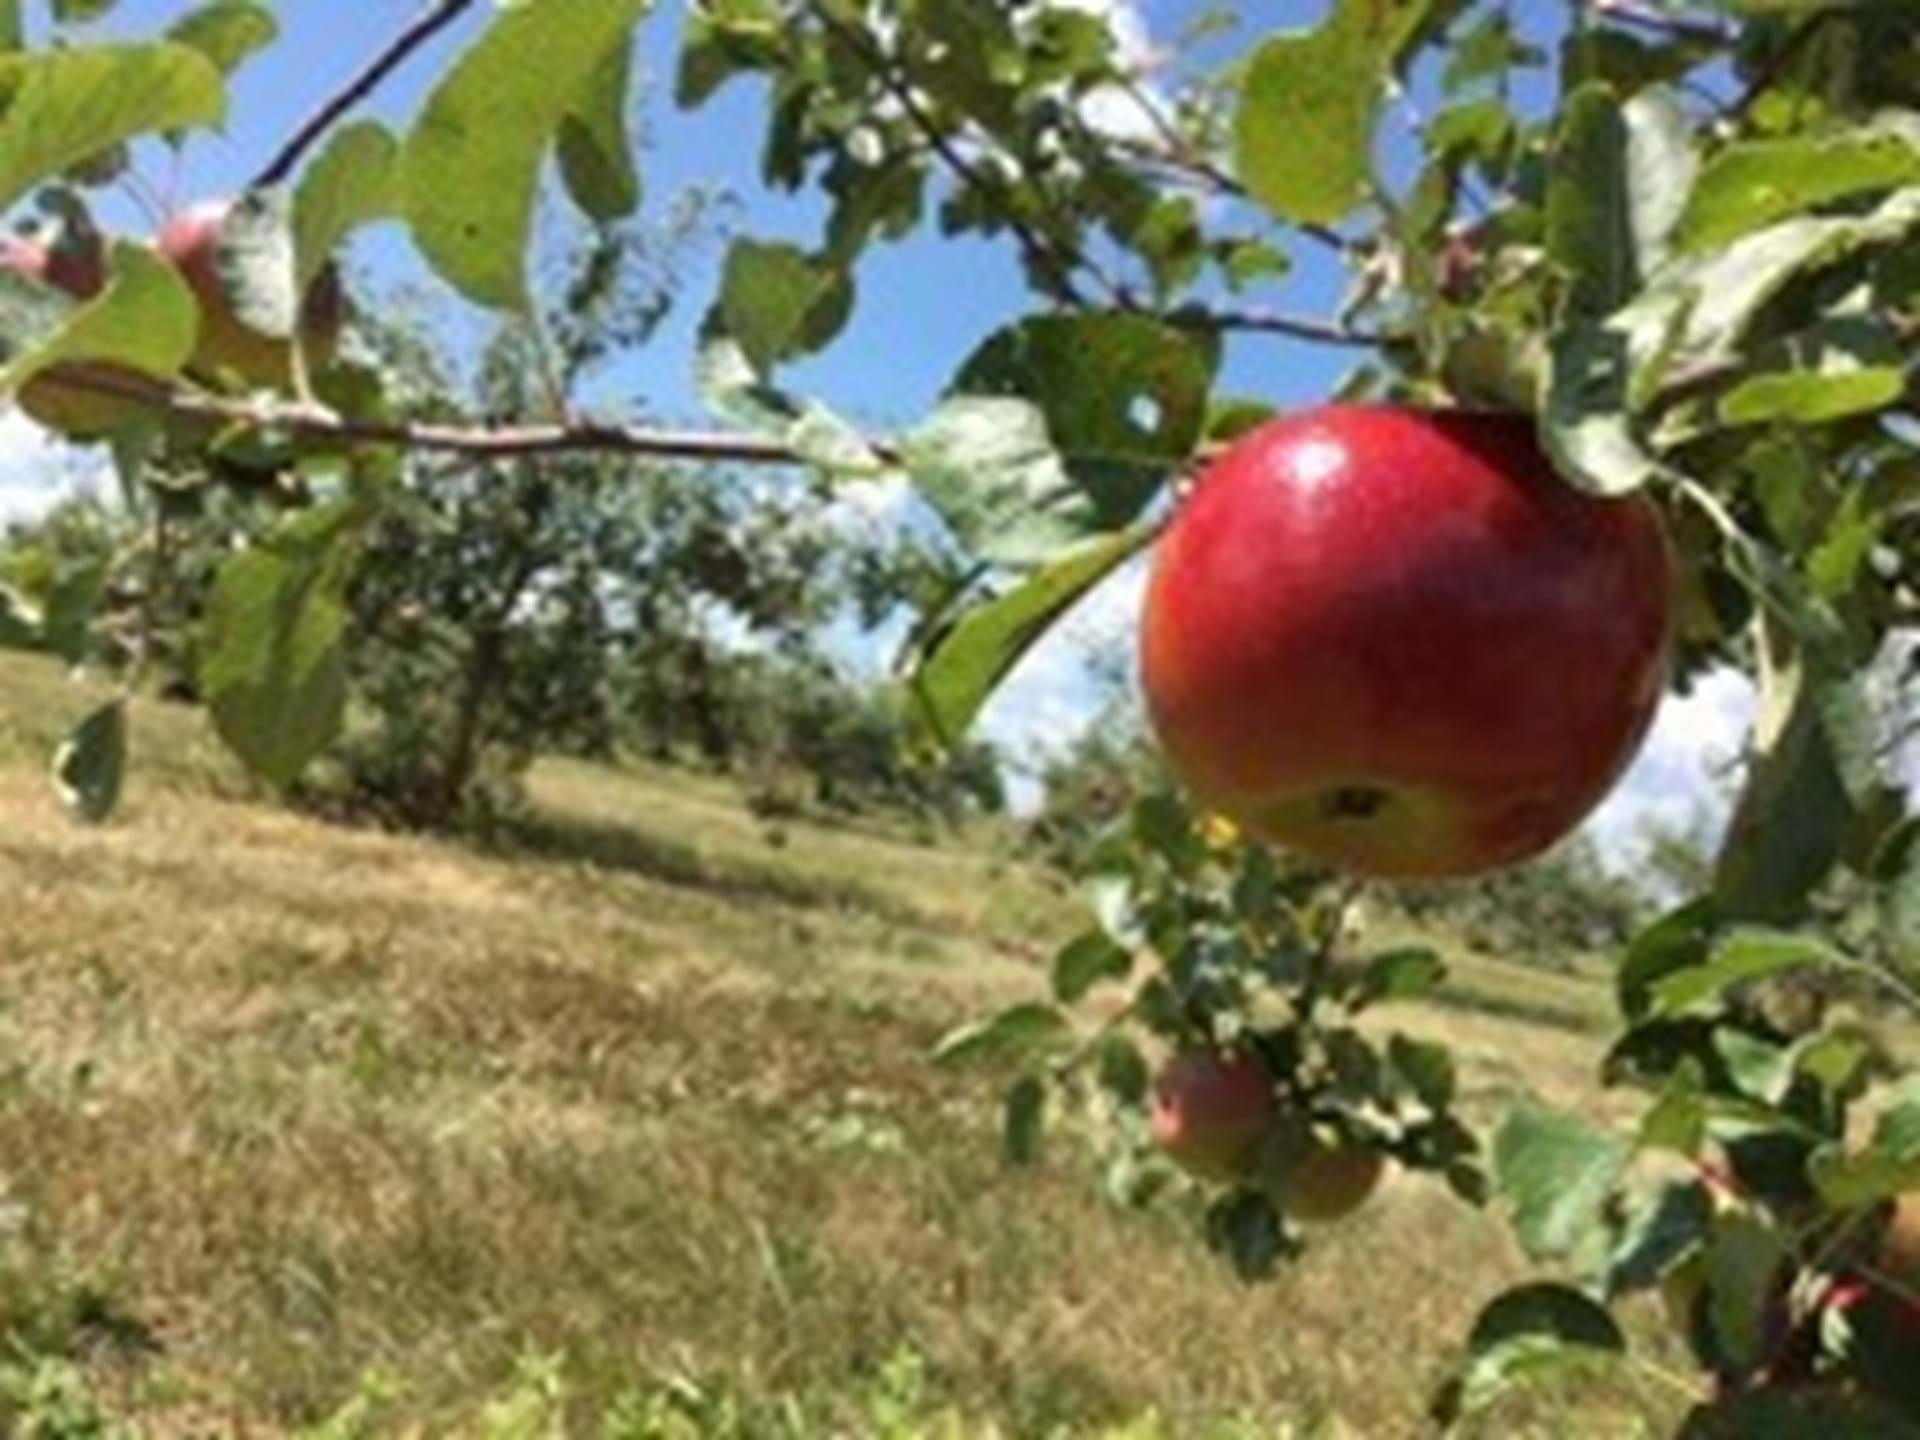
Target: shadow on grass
(1506, 1007)
(620, 848)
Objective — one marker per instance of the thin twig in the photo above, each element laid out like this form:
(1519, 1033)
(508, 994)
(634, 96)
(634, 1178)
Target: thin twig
(1270, 322)
(359, 87)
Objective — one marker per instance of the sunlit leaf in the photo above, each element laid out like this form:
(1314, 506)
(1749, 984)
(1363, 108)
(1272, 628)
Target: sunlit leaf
(1530, 1335)
(69, 105)
(1015, 1031)
(274, 672)
(1556, 1170)
(596, 154)
(352, 182)
(1754, 183)
(145, 320)
(226, 31)
(1303, 135)
(953, 681)
(470, 166)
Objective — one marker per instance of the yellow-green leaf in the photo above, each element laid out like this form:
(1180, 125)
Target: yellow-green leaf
(470, 166)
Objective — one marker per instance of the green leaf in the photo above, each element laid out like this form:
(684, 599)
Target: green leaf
(1841, 367)
(1085, 961)
(953, 681)
(1427, 1069)
(987, 464)
(1745, 955)
(1244, 1226)
(1303, 135)
(778, 302)
(352, 182)
(1403, 974)
(722, 38)
(226, 31)
(1585, 422)
(12, 33)
(1794, 811)
(69, 105)
(1889, 1166)
(1661, 163)
(91, 762)
(1677, 1120)
(1589, 204)
(1016, 1031)
(1023, 1120)
(1720, 295)
(146, 320)
(274, 672)
(79, 12)
(1676, 941)
(1530, 1335)
(1124, 396)
(1557, 1171)
(470, 166)
(1794, 1413)
(1121, 1068)
(596, 155)
(1896, 867)
(1743, 1256)
(1752, 184)
(1661, 1228)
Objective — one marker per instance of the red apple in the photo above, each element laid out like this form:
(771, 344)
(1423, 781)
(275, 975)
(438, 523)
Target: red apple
(1210, 1110)
(78, 268)
(1396, 641)
(191, 240)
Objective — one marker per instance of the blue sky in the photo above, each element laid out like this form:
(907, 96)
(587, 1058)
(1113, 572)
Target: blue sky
(924, 304)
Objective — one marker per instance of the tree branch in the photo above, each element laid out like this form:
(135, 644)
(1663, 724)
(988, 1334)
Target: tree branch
(435, 19)
(476, 441)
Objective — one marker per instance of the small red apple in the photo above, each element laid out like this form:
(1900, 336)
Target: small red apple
(76, 266)
(1210, 1110)
(191, 240)
(1396, 641)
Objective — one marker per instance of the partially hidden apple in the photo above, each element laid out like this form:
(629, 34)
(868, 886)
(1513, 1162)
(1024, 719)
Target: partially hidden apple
(1396, 641)
(191, 241)
(1210, 1110)
(1328, 1180)
(77, 268)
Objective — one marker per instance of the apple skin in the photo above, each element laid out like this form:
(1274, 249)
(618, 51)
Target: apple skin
(191, 240)
(1328, 1182)
(1209, 1112)
(80, 271)
(1396, 641)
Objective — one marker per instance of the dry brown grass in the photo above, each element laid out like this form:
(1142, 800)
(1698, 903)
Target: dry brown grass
(286, 1105)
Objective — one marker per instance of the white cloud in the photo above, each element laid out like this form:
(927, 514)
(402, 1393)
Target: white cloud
(1111, 109)
(1675, 780)
(37, 471)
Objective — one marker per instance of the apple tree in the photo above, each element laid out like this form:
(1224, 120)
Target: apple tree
(1671, 244)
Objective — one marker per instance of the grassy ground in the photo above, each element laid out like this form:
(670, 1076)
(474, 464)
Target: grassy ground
(307, 1130)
